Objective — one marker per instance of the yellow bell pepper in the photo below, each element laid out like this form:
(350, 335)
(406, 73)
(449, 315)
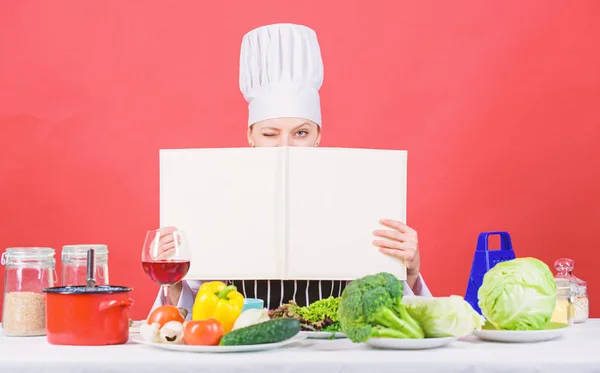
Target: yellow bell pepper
(218, 301)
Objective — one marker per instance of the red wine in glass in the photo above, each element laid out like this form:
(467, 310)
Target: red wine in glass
(165, 257)
(166, 272)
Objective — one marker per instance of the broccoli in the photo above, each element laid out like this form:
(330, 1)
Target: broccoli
(371, 307)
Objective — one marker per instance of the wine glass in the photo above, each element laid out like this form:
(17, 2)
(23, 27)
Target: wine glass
(166, 257)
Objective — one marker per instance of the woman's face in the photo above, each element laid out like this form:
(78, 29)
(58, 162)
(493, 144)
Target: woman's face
(284, 132)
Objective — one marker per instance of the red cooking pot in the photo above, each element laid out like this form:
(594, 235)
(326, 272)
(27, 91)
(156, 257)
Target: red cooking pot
(87, 316)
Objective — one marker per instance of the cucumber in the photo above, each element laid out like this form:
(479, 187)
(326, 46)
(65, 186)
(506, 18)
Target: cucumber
(271, 331)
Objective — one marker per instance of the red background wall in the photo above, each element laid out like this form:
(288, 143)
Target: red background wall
(498, 106)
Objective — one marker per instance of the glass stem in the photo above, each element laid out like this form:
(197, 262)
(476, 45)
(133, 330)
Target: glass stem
(165, 289)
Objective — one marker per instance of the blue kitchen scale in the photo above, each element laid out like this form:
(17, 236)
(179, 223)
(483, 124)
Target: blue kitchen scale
(484, 260)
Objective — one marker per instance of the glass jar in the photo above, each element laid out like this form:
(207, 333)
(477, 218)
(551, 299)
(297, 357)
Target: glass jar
(74, 264)
(29, 270)
(564, 311)
(564, 269)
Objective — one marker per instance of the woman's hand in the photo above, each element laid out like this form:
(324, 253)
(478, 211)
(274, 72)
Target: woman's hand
(165, 248)
(402, 242)
(166, 244)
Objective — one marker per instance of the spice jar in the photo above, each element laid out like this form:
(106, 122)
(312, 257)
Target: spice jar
(564, 309)
(74, 264)
(29, 270)
(564, 268)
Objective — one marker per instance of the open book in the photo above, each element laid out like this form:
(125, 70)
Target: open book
(285, 212)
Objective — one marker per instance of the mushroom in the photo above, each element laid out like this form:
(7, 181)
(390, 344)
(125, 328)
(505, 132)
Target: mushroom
(150, 332)
(171, 332)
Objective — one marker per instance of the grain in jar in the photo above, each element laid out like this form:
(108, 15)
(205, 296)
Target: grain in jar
(24, 313)
(29, 270)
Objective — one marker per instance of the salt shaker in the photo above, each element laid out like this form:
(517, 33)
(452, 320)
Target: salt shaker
(564, 270)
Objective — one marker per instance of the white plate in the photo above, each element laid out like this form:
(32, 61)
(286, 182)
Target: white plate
(323, 335)
(519, 336)
(409, 343)
(186, 348)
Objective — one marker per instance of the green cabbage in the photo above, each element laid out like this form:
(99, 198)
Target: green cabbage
(443, 317)
(518, 294)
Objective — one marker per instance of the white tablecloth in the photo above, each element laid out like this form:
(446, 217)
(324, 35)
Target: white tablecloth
(577, 351)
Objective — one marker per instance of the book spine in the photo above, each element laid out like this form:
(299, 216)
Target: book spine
(286, 212)
(282, 204)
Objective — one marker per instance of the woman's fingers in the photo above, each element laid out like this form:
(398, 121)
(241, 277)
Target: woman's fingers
(166, 239)
(165, 230)
(395, 235)
(162, 232)
(401, 242)
(165, 247)
(394, 244)
(397, 225)
(403, 250)
(405, 255)
(166, 253)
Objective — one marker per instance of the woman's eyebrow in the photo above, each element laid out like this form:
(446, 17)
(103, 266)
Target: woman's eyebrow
(302, 125)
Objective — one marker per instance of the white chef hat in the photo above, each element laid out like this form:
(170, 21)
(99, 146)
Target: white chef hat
(281, 72)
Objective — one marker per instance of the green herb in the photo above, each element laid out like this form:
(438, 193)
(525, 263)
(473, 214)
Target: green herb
(335, 327)
(321, 315)
(320, 310)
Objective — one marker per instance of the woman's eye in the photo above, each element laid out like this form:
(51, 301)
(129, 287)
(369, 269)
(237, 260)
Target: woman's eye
(302, 133)
(268, 134)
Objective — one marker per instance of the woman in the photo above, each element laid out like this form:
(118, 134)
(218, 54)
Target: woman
(281, 72)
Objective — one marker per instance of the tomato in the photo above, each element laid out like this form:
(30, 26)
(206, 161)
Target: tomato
(203, 332)
(164, 314)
